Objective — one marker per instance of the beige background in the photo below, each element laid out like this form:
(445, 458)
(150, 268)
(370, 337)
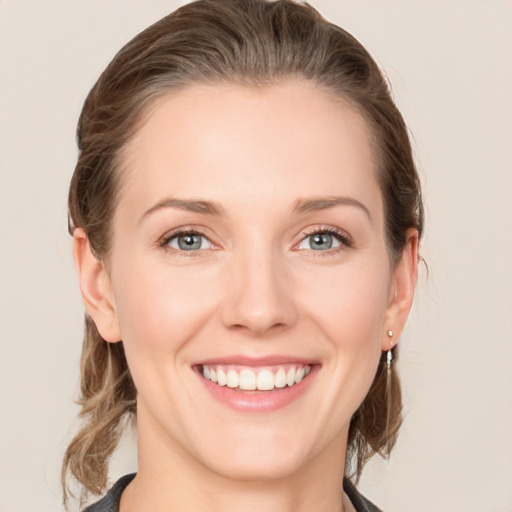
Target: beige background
(450, 66)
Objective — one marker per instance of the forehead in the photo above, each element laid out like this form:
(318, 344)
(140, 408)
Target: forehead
(225, 142)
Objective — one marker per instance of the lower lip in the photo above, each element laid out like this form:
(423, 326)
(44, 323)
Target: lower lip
(259, 401)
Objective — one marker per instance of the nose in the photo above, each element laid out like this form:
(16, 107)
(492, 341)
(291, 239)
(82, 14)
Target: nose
(259, 295)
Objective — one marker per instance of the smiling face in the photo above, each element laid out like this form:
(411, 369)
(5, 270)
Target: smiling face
(249, 278)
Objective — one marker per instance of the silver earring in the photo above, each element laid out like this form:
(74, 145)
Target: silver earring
(389, 357)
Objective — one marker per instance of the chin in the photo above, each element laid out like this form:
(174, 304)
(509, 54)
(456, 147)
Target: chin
(259, 469)
(257, 454)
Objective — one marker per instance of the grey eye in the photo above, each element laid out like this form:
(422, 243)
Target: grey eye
(320, 242)
(189, 242)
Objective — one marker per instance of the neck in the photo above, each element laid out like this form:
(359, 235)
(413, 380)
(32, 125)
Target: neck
(170, 479)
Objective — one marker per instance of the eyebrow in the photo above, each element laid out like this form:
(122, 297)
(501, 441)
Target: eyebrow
(190, 205)
(323, 203)
(213, 208)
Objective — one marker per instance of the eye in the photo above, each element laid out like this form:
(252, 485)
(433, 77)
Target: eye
(324, 240)
(189, 241)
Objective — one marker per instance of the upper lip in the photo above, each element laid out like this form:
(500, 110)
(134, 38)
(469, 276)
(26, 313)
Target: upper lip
(244, 360)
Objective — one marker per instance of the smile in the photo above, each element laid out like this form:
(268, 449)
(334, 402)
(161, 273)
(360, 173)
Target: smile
(255, 379)
(257, 385)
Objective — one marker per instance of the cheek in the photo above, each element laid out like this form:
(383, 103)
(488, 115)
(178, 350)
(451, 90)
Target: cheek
(350, 302)
(350, 311)
(159, 310)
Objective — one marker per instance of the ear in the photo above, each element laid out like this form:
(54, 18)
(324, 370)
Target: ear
(96, 288)
(405, 274)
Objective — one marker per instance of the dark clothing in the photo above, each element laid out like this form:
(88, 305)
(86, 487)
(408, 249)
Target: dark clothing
(361, 504)
(110, 502)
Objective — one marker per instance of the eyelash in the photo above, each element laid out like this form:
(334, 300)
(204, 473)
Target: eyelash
(166, 239)
(342, 237)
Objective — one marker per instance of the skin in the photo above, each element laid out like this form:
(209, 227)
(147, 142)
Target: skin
(256, 288)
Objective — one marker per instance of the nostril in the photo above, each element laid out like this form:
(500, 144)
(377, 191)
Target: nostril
(258, 329)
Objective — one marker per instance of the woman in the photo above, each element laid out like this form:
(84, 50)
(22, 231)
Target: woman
(246, 218)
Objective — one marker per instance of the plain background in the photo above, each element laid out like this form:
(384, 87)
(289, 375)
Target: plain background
(450, 66)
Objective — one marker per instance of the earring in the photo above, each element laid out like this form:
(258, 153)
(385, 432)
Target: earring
(389, 384)
(389, 357)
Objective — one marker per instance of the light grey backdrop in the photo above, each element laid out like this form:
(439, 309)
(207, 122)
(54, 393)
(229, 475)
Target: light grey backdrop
(450, 66)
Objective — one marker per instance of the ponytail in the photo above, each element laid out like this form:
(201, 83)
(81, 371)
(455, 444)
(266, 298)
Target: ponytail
(107, 400)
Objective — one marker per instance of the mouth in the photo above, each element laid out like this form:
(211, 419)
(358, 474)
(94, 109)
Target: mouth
(256, 386)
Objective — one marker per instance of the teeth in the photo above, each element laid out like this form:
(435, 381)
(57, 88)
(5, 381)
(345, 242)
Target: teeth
(221, 378)
(299, 375)
(249, 380)
(290, 377)
(232, 379)
(265, 380)
(280, 378)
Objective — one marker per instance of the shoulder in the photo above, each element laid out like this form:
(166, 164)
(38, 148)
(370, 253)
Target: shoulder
(110, 502)
(361, 504)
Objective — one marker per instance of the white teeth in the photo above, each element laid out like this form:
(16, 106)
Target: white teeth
(249, 380)
(221, 378)
(280, 378)
(299, 375)
(265, 380)
(290, 377)
(232, 379)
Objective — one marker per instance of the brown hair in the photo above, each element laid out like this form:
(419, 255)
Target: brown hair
(252, 42)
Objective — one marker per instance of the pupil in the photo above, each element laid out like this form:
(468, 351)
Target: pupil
(322, 241)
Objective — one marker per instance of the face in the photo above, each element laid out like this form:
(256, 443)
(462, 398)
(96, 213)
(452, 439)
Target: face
(249, 277)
